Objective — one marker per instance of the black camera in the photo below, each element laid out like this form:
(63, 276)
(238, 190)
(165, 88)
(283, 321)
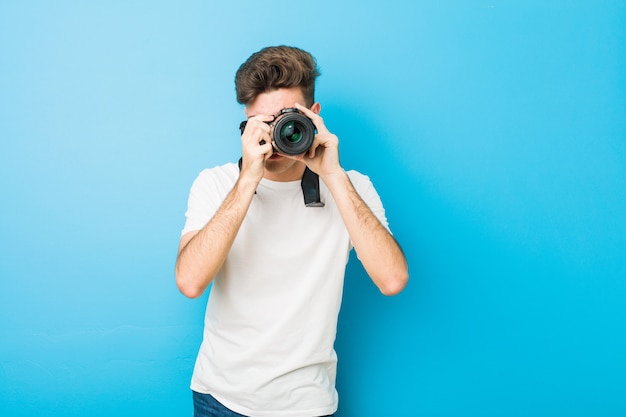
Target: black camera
(293, 133)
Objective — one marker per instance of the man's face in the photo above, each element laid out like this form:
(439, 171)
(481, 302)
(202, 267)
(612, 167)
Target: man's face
(279, 167)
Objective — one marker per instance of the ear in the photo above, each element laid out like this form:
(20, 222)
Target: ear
(316, 107)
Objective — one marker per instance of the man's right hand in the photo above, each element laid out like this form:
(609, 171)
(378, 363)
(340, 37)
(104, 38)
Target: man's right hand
(256, 147)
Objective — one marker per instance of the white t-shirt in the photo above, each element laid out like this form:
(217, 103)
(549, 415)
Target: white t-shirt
(271, 317)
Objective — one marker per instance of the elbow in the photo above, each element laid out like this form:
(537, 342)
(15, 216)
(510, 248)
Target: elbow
(189, 291)
(187, 287)
(395, 284)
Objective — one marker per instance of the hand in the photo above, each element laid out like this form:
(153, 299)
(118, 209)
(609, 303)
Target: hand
(256, 147)
(323, 157)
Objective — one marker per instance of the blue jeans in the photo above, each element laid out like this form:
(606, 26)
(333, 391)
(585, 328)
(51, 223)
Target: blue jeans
(204, 405)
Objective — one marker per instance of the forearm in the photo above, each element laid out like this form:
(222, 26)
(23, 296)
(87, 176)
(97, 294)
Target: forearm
(378, 251)
(201, 256)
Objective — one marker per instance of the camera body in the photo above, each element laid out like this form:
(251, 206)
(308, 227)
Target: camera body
(292, 132)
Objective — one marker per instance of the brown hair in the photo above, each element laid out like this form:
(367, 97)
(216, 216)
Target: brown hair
(276, 67)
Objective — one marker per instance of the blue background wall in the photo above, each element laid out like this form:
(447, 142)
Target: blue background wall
(494, 130)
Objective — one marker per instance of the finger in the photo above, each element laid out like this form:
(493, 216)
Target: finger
(308, 112)
(256, 134)
(258, 122)
(256, 125)
(263, 144)
(267, 149)
(316, 118)
(262, 117)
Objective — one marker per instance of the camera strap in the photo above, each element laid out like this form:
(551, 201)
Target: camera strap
(310, 187)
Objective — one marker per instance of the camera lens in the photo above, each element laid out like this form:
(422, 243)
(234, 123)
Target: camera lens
(293, 132)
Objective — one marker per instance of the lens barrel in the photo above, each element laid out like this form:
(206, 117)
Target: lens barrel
(293, 132)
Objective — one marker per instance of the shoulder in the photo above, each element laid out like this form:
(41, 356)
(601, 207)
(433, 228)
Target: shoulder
(359, 181)
(356, 176)
(225, 171)
(207, 192)
(364, 186)
(221, 174)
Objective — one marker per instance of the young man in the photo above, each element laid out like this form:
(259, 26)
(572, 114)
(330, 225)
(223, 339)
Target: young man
(277, 265)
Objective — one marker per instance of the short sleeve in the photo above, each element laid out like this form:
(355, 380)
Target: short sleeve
(206, 195)
(363, 185)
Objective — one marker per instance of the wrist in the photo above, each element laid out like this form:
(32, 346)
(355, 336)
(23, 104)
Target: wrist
(246, 184)
(335, 178)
